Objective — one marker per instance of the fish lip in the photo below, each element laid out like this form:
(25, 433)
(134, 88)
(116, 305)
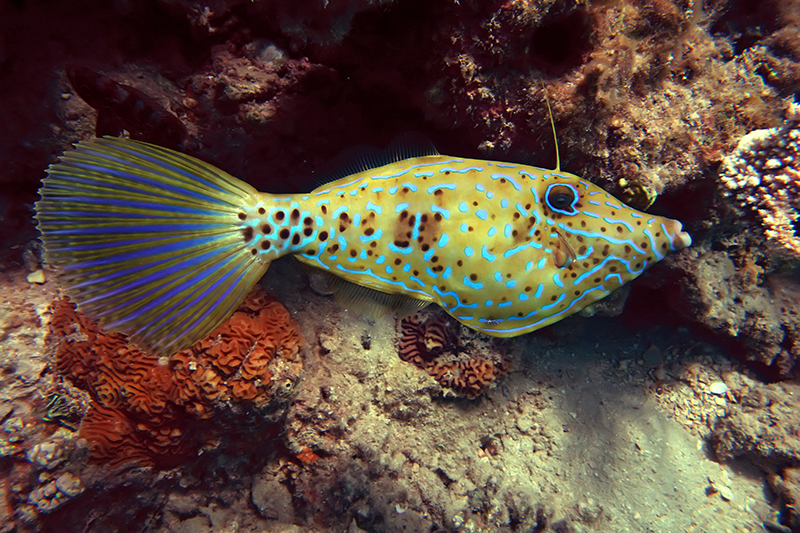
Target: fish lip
(680, 239)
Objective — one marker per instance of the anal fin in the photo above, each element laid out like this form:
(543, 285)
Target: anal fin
(371, 303)
(367, 302)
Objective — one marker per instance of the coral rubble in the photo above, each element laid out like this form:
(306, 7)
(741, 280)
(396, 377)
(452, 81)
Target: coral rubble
(765, 429)
(147, 410)
(764, 175)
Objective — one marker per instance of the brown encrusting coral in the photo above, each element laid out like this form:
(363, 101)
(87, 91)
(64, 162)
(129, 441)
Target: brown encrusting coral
(433, 345)
(149, 410)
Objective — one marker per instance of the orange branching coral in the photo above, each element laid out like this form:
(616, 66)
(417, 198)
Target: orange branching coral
(433, 346)
(149, 410)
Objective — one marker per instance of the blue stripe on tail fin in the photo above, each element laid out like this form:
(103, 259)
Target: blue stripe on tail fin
(151, 242)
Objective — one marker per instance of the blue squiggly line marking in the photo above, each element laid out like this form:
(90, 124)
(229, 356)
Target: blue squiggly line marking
(653, 246)
(398, 250)
(444, 212)
(463, 171)
(511, 180)
(434, 188)
(595, 235)
(615, 221)
(417, 221)
(476, 285)
(374, 237)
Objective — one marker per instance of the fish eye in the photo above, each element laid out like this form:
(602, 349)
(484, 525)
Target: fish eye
(562, 198)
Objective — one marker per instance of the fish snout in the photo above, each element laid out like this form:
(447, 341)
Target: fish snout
(679, 239)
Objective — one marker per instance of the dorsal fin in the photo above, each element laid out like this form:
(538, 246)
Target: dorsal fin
(360, 158)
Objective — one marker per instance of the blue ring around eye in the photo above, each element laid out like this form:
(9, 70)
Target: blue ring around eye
(564, 211)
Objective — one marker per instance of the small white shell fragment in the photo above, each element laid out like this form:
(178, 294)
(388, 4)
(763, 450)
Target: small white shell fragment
(36, 277)
(726, 493)
(718, 387)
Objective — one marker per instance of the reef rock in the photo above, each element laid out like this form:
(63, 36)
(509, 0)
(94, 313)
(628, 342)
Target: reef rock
(763, 174)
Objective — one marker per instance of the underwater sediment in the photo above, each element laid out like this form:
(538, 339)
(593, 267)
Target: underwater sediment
(675, 415)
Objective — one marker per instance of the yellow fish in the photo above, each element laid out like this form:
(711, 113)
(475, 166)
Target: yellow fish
(164, 247)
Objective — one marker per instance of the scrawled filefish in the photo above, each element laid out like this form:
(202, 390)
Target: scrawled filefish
(163, 247)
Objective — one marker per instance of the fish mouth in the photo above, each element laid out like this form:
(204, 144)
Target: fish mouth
(679, 238)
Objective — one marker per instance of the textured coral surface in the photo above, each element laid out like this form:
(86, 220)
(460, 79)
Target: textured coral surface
(764, 174)
(148, 410)
(435, 345)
